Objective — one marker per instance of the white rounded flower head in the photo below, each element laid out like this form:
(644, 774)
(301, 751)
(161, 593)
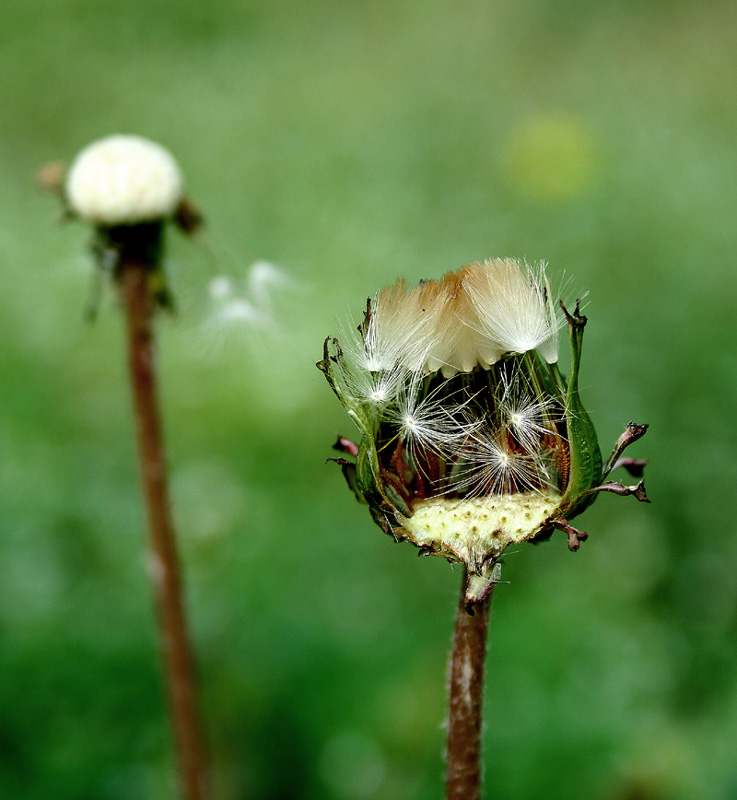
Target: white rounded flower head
(124, 180)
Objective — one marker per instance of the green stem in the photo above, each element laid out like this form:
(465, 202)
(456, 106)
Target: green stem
(463, 749)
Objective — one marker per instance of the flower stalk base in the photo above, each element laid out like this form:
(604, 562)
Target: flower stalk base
(463, 750)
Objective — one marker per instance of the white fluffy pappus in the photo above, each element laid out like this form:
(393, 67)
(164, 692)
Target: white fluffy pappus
(123, 180)
(264, 281)
(527, 417)
(515, 307)
(432, 423)
(457, 344)
(425, 329)
(377, 389)
(358, 374)
(399, 330)
(491, 466)
(469, 318)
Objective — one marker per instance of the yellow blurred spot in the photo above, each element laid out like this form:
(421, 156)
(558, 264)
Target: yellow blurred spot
(551, 158)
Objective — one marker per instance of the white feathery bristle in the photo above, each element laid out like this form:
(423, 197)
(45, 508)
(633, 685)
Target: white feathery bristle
(548, 348)
(527, 418)
(429, 423)
(399, 331)
(124, 180)
(458, 344)
(378, 389)
(375, 387)
(426, 329)
(525, 422)
(469, 318)
(492, 467)
(512, 307)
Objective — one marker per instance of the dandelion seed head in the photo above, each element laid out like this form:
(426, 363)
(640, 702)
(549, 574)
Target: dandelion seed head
(124, 180)
(470, 441)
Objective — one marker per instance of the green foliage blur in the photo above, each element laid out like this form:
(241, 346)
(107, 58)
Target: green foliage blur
(351, 143)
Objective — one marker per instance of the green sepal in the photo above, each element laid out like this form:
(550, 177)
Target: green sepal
(366, 480)
(356, 411)
(325, 366)
(372, 484)
(367, 466)
(361, 478)
(396, 500)
(349, 472)
(585, 453)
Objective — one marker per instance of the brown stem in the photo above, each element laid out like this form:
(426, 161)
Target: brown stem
(463, 751)
(139, 305)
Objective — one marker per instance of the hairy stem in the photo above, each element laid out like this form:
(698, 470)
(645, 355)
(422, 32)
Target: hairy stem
(463, 750)
(139, 306)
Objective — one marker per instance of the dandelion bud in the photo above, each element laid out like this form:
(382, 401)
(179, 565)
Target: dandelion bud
(471, 438)
(124, 180)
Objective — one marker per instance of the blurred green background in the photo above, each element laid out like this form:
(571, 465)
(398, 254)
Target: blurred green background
(350, 143)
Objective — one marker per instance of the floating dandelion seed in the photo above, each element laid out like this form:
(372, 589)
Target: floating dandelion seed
(242, 310)
(239, 311)
(263, 281)
(220, 288)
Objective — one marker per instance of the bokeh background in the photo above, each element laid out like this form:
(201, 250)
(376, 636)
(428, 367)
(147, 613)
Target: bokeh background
(349, 143)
